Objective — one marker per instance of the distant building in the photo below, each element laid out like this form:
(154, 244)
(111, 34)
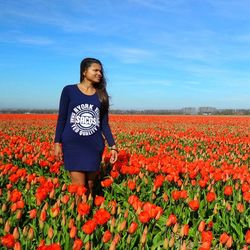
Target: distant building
(207, 110)
(189, 111)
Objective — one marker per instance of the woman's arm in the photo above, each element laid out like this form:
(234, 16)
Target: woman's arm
(61, 121)
(62, 115)
(109, 137)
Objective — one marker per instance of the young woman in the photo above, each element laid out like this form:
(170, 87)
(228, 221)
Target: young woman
(82, 122)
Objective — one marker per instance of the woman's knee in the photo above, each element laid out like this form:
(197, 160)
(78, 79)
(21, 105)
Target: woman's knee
(92, 178)
(78, 178)
(91, 184)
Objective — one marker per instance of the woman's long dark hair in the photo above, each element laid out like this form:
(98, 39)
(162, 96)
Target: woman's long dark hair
(100, 87)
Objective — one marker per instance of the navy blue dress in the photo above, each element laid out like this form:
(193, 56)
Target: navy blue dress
(80, 129)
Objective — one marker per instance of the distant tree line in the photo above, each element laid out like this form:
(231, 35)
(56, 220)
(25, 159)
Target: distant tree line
(182, 111)
(28, 111)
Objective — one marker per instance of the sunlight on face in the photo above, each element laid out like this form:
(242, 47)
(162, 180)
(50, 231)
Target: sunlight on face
(93, 73)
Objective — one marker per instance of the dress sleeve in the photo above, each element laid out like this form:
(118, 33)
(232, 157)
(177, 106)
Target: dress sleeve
(62, 115)
(106, 130)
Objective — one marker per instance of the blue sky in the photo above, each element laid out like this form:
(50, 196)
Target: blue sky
(157, 54)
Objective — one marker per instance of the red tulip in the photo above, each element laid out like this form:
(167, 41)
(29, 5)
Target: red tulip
(101, 216)
(71, 223)
(116, 239)
(55, 210)
(194, 205)
(211, 196)
(72, 188)
(172, 219)
(184, 230)
(132, 199)
(20, 204)
(132, 228)
(81, 190)
(159, 180)
(240, 207)
(165, 197)
(73, 231)
(228, 190)
(65, 199)
(99, 200)
(31, 233)
(114, 174)
(229, 242)
(176, 194)
(15, 195)
(122, 226)
(19, 214)
(201, 226)
(112, 205)
(89, 227)
(8, 241)
(131, 184)
(246, 196)
(224, 238)
(43, 215)
(50, 232)
(83, 208)
(77, 244)
(144, 217)
(106, 236)
(183, 194)
(144, 235)
(245, 187)
(17, 246)
(247, 237)
(13, 207)
(15, 233)
(207, 236)
(107, 182)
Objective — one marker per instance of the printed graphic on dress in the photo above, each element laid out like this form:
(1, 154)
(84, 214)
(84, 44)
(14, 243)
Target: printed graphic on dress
(84, 119)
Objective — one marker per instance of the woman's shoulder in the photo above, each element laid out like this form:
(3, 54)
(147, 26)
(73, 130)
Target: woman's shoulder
(68, 87)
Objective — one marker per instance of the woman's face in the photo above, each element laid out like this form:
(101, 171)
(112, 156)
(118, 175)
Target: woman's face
(93, 73)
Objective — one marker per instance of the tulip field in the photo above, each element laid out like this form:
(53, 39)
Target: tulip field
(180, 182)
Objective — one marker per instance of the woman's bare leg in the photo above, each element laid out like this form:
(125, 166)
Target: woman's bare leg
(78, 178)
(85, 178)
(91, 178)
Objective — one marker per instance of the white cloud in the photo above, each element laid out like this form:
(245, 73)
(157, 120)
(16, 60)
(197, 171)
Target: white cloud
(244, 38)
(142, 82)
(132, 55)
(35, 40)
(48, 13)
(234, 9)
(19, 37)
(162, 5)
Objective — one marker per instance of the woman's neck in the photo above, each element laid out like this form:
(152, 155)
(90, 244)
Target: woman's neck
(86, 85)
(87, 88)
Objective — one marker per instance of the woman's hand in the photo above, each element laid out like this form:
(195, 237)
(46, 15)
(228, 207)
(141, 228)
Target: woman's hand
(114, 155)
(58, 151)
